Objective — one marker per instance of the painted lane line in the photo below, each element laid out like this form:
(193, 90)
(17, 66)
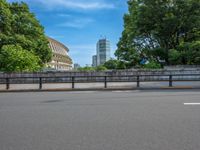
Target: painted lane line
(191, 103)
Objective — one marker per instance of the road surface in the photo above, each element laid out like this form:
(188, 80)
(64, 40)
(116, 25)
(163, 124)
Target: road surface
(106, 120)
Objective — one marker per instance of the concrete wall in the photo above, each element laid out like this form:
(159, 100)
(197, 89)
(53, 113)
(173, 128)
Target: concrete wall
(182, 67)
(104, 73)
(112, 76)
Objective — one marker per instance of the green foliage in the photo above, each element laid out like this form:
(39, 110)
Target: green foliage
(111, 64)
(100, 68)
(114, 64)
(153, 28)
(174, 57)
(190, 52)
(152, 65)
(5, 17)
(13, 58)
(18, 26)
(86, 69)
(121, 65)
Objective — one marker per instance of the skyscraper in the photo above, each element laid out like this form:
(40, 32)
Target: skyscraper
(103, 51)
(94, 61)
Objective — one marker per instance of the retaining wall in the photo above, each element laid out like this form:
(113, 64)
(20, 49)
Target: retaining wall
(103, 73)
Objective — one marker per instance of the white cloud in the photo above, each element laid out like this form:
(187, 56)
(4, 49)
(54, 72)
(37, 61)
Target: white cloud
(72, 4)
(95, 4)
(77, 23)
(64, 15)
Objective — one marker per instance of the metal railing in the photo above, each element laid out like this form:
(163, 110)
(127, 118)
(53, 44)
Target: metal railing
(170, 78)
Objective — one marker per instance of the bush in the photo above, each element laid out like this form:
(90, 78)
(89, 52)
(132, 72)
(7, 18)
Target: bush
(100, 68)
(152, 65)
(13, 58)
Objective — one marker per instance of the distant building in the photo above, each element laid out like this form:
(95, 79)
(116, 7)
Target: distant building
(76, 66)
(94, 61)
(60, 59)
(103, 51)
(88, 65)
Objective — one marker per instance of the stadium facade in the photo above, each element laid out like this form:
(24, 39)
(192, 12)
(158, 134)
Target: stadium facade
(61, 60)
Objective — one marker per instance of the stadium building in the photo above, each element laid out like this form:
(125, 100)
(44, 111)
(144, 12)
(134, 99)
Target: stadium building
(60, 60)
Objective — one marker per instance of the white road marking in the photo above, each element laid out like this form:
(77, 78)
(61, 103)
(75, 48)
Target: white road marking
(191, 103)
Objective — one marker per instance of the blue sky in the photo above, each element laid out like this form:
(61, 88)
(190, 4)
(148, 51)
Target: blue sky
(80, 23)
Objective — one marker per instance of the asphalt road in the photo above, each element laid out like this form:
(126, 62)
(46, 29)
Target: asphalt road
(118, 120)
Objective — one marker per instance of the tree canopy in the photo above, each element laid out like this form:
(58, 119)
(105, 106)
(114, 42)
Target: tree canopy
(114, 64)
(13, 58)
(162, 31)
(19, 28)
(98, 68)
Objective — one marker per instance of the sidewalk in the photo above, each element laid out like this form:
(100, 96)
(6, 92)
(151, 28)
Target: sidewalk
(99, 86)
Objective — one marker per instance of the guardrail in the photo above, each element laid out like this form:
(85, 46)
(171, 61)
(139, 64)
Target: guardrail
(105, 79)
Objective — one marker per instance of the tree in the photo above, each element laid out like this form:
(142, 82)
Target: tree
(19, 26)
(174, 57)
(152, 28)
(127, 52)
(114, 64)
(189, 52)
(152, 65)
(5, 17)
(86, 68)
(100, 68)
(13, 58)
(111, 64)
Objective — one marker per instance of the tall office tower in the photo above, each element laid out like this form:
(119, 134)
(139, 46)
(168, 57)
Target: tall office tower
(103, 51)
(94, 61)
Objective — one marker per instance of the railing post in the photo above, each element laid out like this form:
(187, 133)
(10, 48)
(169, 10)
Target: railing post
(73, 82)
(138, 81)
(170, 81)
(105, 82)
(40, 83)
(7, 84)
